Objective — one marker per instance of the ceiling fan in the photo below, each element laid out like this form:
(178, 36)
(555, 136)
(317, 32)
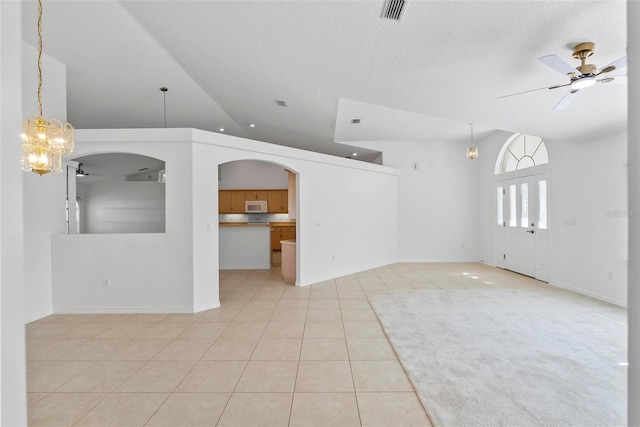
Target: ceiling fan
(580, 77)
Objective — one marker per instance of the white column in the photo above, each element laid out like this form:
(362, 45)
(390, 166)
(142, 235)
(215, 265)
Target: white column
(633, 284)
(71, 197)
(13, 391)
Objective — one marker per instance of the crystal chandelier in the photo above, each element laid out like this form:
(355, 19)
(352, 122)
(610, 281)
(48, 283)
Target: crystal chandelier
(44, 141)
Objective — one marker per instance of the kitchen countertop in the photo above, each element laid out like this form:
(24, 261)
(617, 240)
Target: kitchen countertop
(242, 224)
(246, 224)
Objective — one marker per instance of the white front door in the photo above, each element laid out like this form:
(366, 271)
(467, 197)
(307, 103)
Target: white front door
(520, 233)
(524, 214)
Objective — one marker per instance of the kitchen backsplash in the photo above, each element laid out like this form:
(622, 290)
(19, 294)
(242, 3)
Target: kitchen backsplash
(244, 218)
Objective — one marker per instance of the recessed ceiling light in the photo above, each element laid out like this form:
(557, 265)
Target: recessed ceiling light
(281, 103)
(221, 129)
(354, 154)
(355, 121)
(252, 125)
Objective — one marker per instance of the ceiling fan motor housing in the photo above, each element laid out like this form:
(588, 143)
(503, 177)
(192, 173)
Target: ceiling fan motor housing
(582, 51)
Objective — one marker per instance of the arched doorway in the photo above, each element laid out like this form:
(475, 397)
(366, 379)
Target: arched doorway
(257, 203)
(521, 240)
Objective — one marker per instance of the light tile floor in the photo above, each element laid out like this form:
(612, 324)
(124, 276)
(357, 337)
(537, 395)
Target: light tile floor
(273, 354)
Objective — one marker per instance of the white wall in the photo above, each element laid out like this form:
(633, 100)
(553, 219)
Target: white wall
(587, 183)
(44, 196)
(252, 174)
(147, 272)
(633, 32)
(338, 232)
(119, 206)
(347, 210)
(437, 204)
(13, 397)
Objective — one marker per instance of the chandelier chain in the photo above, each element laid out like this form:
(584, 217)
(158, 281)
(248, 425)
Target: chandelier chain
(40, 56)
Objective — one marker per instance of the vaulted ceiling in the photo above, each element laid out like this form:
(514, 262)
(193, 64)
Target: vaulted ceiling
(424, 78)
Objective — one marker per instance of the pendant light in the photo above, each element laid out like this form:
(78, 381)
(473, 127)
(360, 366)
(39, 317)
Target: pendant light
(44, 141)
(472, 152)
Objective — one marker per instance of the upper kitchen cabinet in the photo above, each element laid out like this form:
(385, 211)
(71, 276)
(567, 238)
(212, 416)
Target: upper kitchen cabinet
(277, 201)
(255, 195)
(231, 201)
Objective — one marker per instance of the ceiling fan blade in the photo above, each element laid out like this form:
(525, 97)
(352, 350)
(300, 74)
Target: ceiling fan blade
(566, 100)
(558, 64)
(533, 90)
(557, 86)
(613, 79)
(615, 65)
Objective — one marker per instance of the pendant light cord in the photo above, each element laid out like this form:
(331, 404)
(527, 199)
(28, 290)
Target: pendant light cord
(40, 56)
(164, 99)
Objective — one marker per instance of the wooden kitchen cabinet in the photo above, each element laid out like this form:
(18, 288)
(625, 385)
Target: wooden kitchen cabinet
(255, 195)
(279, 233)
(224, 201)
(231, 201)
(278, 201)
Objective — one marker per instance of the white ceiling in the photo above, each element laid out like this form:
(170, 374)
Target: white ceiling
(99, 167)
(424, 78)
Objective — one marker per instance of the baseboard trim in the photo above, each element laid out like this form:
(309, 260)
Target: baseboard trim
(589, 294)
(121, 310)
(310, 281)
(208, 306)
(244, 267)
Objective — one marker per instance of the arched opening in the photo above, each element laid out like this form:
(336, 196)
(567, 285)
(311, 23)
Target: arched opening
(119, 193)
(258, 231)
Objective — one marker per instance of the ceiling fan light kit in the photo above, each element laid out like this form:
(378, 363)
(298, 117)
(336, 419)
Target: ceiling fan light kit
(581, 77)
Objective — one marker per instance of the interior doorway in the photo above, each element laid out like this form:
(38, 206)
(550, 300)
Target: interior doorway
(257, 211)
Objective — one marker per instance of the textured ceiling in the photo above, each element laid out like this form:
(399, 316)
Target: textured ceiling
(430, 75)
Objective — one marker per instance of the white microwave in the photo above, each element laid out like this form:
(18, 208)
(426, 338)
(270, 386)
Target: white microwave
(255, 206)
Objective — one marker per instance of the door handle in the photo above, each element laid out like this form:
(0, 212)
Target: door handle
(531, 231)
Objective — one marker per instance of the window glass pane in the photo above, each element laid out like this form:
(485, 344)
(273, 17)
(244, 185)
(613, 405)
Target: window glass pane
(510, 162)
(513, 218)
(525, 162)
(542, 204)
(517, 147)
(541, 157)
(531, 144)
(524, 197)
(500, 206)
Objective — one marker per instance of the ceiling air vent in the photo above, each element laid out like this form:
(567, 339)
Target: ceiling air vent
(355, 121)
(281, 103)
(393, 9)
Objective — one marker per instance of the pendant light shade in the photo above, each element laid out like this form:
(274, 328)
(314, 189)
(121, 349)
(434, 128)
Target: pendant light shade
(44, 142)
(472, 152)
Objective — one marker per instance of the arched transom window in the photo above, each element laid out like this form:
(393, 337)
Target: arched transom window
(520, 152)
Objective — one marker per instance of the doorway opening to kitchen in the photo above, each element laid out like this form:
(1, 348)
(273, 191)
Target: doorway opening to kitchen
(257, 215)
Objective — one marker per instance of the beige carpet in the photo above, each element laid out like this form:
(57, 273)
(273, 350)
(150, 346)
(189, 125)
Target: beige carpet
(510, 357)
